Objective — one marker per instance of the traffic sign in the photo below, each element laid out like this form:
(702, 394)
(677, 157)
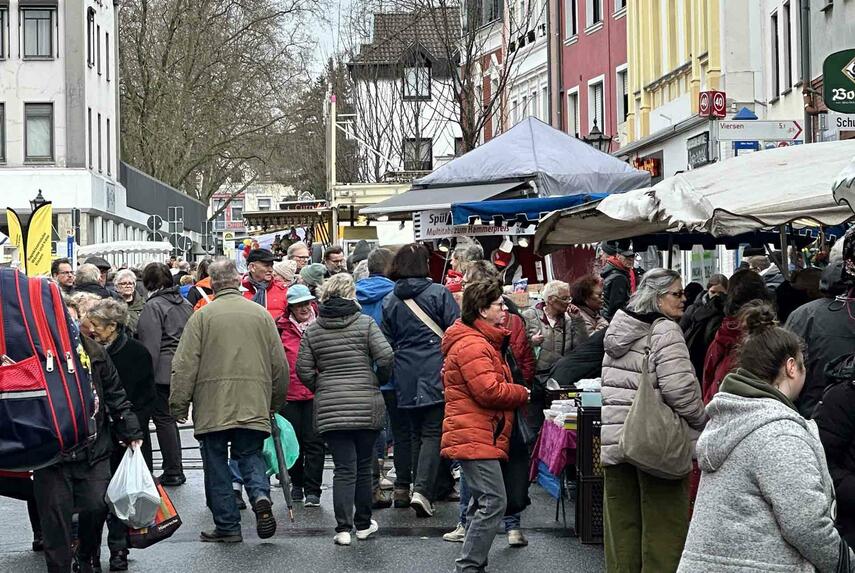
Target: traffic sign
(155, 236)
(712, 104)
(185, 243)
(154, 222)
(758, 130)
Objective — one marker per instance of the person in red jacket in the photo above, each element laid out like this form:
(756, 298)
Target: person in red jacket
(480, 398)
(307, 472)
(259, 284)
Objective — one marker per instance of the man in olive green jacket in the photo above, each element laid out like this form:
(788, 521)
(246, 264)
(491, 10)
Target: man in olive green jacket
(231, 365)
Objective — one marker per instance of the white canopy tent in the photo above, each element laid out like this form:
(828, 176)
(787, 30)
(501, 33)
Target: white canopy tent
(844, 186)
(761, 190)
(130, 252)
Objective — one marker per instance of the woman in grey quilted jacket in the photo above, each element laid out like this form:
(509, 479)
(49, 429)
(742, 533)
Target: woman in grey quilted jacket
(646, 518)
(336, 361)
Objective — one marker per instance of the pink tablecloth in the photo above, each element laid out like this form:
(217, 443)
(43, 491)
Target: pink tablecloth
(555, 447)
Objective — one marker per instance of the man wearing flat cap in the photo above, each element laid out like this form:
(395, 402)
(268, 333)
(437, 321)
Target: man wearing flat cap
(259, 284)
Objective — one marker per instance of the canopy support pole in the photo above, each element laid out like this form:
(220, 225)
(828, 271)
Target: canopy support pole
(785, 255)
(670, 253)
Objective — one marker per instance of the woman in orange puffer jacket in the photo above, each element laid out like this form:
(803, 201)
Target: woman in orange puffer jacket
(480, 398)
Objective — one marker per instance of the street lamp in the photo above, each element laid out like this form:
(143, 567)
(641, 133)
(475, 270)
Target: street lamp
(597, 139)
(37, 202)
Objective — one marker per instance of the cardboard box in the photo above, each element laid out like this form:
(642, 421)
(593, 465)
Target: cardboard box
(521, 299)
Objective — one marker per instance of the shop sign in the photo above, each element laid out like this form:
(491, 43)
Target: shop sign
(652, 164)
(430, 225)
(838, 81)
(698, 148)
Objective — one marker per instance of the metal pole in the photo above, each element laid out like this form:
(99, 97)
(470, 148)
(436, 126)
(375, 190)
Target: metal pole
(670, 253)
(784, 267)
(805, 56)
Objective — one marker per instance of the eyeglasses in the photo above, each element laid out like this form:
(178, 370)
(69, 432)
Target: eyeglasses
(676, 293)
(125, 284)
(564, 300)
(302, 258)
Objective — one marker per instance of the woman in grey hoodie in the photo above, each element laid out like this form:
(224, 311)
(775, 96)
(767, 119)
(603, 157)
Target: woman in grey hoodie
(766, 500)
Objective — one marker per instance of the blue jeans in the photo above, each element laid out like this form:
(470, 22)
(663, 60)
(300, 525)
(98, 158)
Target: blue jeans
(246, 452)
(510, 522)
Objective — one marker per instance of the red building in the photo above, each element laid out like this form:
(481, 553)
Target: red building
(594, 81)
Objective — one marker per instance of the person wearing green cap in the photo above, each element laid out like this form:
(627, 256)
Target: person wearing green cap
(313, 276)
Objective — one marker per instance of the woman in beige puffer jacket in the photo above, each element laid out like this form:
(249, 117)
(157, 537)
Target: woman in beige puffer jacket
(646, 517)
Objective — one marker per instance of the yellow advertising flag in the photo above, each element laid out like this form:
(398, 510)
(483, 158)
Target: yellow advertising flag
(16, 236)
(39, 241)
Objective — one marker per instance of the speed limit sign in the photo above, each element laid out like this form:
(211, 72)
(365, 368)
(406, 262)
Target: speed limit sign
(704, 104)
(712, 104)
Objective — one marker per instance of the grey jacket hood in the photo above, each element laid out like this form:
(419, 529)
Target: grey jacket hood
(624, 331)
(733, 419)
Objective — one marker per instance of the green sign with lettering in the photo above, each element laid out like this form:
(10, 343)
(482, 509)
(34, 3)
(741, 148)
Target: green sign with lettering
(838, 81)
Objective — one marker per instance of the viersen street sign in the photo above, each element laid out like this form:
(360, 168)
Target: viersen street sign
(838, 81)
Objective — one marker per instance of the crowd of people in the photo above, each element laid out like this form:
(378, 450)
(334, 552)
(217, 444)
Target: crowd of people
(366, 353)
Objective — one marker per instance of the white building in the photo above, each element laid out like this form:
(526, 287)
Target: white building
(404, 110)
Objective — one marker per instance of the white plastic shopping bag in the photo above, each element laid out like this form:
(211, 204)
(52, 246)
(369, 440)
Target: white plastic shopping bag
(132, 495)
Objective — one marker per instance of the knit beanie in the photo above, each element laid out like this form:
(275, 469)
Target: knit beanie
(286, 269)
(313, 275)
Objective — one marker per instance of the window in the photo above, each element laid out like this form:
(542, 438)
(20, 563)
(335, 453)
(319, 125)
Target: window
(2, 133)
(98, 47)
(544, 98)
(109, 137)
(38, 133)
(523, 111)
(786, 46)
(418, 154)
(264, 203)
(90, 137)
(221, 216)
(458, 146)
(595, 106)
(237, 210)
(107, 54)
(532, 110)
(417, 82)
(622, 96)
(38, 33)
(620, 5)
(3, 15)
(573, 113)
(593, 12)
(776, 81)
(100, 160)
(571, 15)
(90, 37)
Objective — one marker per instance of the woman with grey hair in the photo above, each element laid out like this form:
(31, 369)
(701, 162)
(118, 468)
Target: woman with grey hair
(125, 282)
(646, 518)
(336, 361)
(106, 322)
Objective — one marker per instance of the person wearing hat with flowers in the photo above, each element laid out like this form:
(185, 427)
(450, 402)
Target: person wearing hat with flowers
(307, 472)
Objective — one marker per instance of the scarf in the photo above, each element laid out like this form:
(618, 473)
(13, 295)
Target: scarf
(260, 294)
(302, 326)
(633, 279)
(337, 307)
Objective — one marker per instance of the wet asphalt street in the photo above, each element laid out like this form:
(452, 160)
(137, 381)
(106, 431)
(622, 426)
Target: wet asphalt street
(404, 543)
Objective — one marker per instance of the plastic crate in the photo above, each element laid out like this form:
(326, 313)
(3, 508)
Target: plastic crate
(588, 443)
(560, 394)
(589, 510)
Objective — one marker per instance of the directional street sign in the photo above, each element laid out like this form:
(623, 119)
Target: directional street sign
(757, 130)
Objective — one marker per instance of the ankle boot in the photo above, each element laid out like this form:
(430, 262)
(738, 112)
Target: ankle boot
(401, 497)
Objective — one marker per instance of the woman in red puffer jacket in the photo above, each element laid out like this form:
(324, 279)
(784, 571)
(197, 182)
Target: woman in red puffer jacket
(480, 398)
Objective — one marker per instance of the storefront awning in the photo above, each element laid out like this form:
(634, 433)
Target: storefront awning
(440, 197)
(515, 209)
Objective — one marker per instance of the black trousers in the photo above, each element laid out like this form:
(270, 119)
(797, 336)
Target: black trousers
(22, 489)
(117, 532)
(62, 490)
(402, 440)
(167, 433)
(308, 471)
(426, 424)
(352, 453)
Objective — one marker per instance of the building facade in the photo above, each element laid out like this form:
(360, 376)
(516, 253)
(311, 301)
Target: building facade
(258, 196)
(593, 67)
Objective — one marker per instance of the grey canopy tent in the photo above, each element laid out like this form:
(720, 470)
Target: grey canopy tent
(544, 161)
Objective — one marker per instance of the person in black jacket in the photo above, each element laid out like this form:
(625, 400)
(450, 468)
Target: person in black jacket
(418, 363)
(105, 322)
(160, 326)
(835, 418)
(702, 320)
(617, 283)
(79, 481)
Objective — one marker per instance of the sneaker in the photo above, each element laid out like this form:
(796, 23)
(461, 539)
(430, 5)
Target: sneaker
(401, 497)
(296, 493)
(421, 505)
(516, 538)
(363, 534)
(215, 536)
(265, 523)
(312, 501)
(457, 535)
(386, 483)
(342, 538)
(456, 473)
(119, 560)
(380, 501)
(239, 498)
(391, 474)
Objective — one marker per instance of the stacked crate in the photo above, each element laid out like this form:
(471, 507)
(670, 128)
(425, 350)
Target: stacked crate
(589, 490)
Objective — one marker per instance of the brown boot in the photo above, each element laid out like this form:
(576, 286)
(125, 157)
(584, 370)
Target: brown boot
(401, 497)
(380, 500)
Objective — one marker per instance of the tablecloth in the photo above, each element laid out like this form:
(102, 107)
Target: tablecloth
(555, 447)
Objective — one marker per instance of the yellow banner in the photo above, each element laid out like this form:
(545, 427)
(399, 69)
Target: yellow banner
(16, 236)
(39, 241)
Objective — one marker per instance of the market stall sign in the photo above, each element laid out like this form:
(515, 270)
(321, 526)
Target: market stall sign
(431, 225)
(838, 81)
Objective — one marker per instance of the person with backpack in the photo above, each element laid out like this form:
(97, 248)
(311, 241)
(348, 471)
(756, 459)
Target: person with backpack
(78, 482)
